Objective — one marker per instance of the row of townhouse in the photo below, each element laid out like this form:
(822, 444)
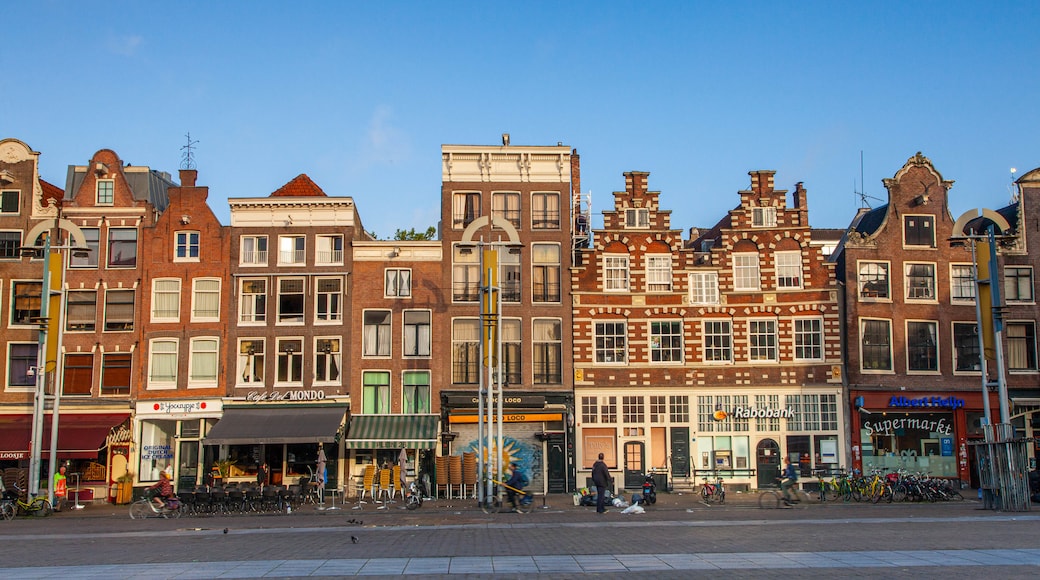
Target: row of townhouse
(291, 334)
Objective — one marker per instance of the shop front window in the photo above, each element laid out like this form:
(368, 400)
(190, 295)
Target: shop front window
(156, 448)
(916, 442)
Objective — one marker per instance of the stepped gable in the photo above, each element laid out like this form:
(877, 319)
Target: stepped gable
(299, 186)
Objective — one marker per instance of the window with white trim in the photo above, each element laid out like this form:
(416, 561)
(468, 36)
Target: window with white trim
(252, 301)
(375, 392)
(876, 344)
(548, 351)
(417, 333)
(21, 356)
(545, 267)
(506, 205)
(763, 217)
(119, 310)
(250, 361)
(415, 393)
(205, 299)
(808, 339)
(377, 333)
(162, 363)
(874, 281)
(762, 340)
(512, 362)
(203, 367)
(545, 210)
(253, 251)
(92, 255)
(105, 192)
(788, 269)
(962, 283)
(615, 273)
(704, 287)
(718, 341)
(81, 310)
(465, 351)
(920, 281)
(122, 247)
(292, 250)
(465, 207)
(290, 300)
(966, 347)
(186, 247)
(666, 341)
(659, 273)
(1021, 341)
(465, 274)
(919, 230)
(289, 363)
(166, 300)
(509, 275)
(26, 300)
(637, 218)
(922, 346)
(328, 249)
(328, 360)
(397, 282)
(611, 340)
(746, 273)
(1018, 283)
(328, 299)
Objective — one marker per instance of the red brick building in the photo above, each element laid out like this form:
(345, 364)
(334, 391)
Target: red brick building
(912, 351)
(184, 314)
(720, 353)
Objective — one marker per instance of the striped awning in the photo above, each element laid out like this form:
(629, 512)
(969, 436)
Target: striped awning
(392, 432)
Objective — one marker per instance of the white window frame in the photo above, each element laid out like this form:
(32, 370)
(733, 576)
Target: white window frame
(541, 212)
(747, 271)
(251, 361)
(907, 268)
(293, 361)
(1029, 285)
(962, 288)
(610, 354)
(862, 338)
(658, 272)
(637, 218)
(465, 273)
(656, 342)
(763, 329)
(156, 316)
(616, 273)
(111, 192)
(72, 320)
(137, 249)
(973, 338)
(711, 337)
(259, 257)
(809, 339)
(788, 269)
(196, 293)
(384, 402)
(545, 264)
(416, 387)
(374, 350)
(186, 245)
(196, 354)
(763, 217)
(397, 283)
(333, 309)
(508, 213)
(324, 361)
(934, 325)
(413, 330)
(165, 381)
(325, 252)
(247, 302)
(297, 319)
(704, 287)
(294, 255)
(873, 269)
(926, 218)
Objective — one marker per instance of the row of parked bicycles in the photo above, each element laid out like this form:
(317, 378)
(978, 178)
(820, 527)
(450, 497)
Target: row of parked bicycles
(229, 500)
(13, 503)
(878, 486)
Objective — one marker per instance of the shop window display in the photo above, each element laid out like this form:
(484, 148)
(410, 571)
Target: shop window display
(911, 441)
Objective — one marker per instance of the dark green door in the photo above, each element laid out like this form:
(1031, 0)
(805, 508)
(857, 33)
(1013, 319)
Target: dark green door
(556, 463)
(680, 452)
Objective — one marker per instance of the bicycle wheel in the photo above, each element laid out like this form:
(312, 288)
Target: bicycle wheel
(705, 496)
(42, 508)
(140, 510)
(7, 508)
(525, 504)
(722, 495)
(769, 500)
(830, 491)
(491, 505)
(899, 493)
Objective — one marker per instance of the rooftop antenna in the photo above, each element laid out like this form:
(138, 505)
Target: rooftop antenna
(187, 158)
(864, 199)
(1012, 188)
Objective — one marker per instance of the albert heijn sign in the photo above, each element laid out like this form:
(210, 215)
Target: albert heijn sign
(933, 402)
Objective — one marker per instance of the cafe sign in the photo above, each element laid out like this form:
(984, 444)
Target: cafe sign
(302, 395)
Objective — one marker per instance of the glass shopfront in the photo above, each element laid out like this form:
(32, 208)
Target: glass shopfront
(915, 442)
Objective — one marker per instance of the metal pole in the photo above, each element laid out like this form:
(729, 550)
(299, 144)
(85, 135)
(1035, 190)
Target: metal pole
(482, 474)
(39, 405)
(501, 395)
(982, 345)
(56, 379)
(998, 328)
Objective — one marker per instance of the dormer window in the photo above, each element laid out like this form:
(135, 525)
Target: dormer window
(763, 217)
(105, 192)
(637, 218)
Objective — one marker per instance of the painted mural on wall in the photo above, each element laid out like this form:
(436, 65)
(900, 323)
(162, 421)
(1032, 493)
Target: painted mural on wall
(527, 455)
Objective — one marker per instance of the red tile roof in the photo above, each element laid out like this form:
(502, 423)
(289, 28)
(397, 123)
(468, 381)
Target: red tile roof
(51, 191)
(300, 186)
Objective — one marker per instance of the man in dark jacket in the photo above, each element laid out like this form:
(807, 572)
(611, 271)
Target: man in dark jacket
(601, 479)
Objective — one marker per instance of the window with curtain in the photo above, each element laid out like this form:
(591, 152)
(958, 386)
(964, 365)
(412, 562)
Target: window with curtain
(292, 250)
(962, 283)
(203, 364)
(166, 300)
(328, 249)
(465, 351)
(659, 273)
(375, 394)
(615, 273)
(162, 368)
(788, 269)
(506, 205)
(545, 265)
(329, 299)
(253, 251)
(377, 333)
(90, 260)
(250, 361)
(1021, 340)
(465, 207)
(327, 360)
(920, 281)
(512, 362)
(290, 361)
(206, 299)
(397, 282)
(417, 333)
(548, 351)
(465, 274)
(545, 210)
(27, 300)
(115, 373)
(81, 310)
(415, 396)
(119, 310)
(253, 301)
(509, 275)
(922, 347)
(746, 273)
(873, 281)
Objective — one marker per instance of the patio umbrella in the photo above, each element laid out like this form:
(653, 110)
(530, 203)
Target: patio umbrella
(320, 475)
(402, 460)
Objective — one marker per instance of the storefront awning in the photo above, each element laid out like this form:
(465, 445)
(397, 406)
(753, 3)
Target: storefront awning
(392, 432)
(80, 435)
(277, 425)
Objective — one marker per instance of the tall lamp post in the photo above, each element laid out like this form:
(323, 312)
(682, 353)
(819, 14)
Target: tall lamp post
(53, 266)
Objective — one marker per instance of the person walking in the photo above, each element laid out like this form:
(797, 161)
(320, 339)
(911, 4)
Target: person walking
(601, 479)
(61, 489)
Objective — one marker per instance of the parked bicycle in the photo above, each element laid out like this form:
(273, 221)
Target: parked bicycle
(7, 505)
(36, 506)
(713, 491)
(829, 489)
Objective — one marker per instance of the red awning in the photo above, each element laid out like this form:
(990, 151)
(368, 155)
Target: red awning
(80, 435)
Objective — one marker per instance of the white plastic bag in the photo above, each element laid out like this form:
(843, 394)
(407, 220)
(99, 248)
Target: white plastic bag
(634, 509)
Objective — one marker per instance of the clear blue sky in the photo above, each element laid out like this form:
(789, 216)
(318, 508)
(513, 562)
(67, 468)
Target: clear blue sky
(361, 95)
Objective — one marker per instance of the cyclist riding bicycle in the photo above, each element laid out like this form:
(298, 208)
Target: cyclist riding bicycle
(518, 481)
(789, 480)
(164, 489)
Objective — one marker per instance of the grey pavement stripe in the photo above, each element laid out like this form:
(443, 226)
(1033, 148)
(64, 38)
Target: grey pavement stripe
(580, 564)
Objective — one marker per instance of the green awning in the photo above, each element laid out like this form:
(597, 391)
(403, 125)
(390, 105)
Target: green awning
(392, 432)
